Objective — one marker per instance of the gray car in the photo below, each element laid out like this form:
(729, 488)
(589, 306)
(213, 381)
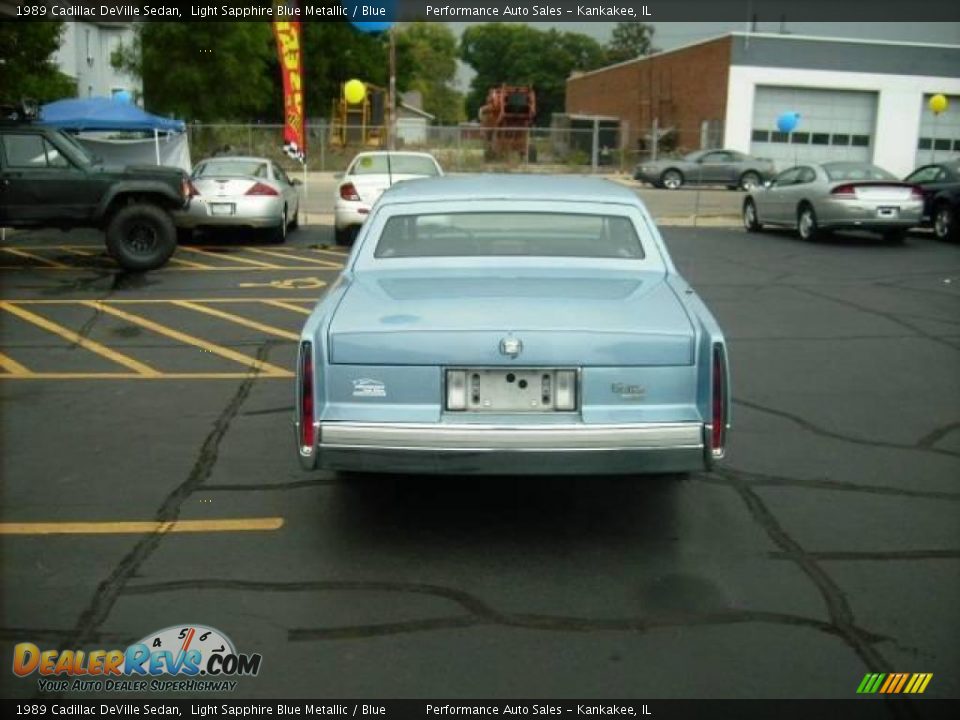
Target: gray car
(707, 167)
(836, 195)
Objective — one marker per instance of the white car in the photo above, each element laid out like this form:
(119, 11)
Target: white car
(368, 176)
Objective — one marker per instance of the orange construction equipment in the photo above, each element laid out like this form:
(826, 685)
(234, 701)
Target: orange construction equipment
(508, 114)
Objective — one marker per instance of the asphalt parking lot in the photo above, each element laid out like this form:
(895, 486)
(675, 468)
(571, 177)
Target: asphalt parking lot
(149, 480)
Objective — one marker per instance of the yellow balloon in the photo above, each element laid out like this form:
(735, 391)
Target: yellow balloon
(354, 91)
(938, 104)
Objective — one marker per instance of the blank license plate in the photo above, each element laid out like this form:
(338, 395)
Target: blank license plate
(222, 208)
(511, 390)
(888, 212)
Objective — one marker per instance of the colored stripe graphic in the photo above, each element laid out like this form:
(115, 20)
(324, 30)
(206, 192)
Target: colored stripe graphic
(894, 683)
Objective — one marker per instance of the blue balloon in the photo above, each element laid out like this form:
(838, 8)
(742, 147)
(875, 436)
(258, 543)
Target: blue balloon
(787, 121)
(122, 96)
(383, 10)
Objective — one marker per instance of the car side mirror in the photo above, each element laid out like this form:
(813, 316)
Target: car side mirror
(296, 181)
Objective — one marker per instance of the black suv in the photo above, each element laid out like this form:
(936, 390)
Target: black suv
(47, 179)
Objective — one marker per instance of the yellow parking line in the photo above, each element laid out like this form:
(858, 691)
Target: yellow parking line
(76, 251)
(258, 365)
(271, 253)
(269, 329)
(85, 343)
(152, 527)
(134, 376)
(339, 253)
(234, 258)
(12, 367)
(157, 301)
(37, 258)
(190, 264)
(287, 306)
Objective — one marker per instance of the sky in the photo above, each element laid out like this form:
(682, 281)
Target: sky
(669, 35)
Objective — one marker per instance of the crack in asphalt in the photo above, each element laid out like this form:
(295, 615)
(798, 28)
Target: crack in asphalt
(763, 479)
(890, 316)
(270, 411)
(823, 432)
(480, 613)
(935, 436)
(109, 589)
(838, 607)
(295, 485)
(878, 555)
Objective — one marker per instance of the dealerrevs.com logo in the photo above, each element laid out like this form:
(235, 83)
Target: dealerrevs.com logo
(181, 658)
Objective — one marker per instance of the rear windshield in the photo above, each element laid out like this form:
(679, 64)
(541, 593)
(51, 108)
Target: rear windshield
(509, 234)
(399, 165)
(856, 171)
(233, 168)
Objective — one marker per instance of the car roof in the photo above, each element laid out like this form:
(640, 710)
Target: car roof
(394, 152)
(510, 187)
(245, 158)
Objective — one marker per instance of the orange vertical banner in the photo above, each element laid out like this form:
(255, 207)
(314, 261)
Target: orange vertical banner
(287, 35)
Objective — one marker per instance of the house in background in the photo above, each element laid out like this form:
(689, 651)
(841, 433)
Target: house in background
(85, 52)
(412, 120)
(84, 56)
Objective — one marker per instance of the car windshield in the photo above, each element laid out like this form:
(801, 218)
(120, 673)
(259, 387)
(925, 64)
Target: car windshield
(399, 165)
(509, 234)
(233, 168)
(842, 171)
(694, 156)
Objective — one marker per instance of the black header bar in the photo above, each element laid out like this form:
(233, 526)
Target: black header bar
(573, 11)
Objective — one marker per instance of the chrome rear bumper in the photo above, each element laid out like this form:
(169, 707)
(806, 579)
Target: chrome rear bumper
(466, 448)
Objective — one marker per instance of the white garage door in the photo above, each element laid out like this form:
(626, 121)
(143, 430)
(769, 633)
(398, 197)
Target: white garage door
(834, 125)
(939, 136)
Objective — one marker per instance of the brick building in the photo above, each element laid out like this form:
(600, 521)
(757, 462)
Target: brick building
(857, 100)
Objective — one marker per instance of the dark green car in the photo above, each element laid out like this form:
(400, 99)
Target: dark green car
(47, 179)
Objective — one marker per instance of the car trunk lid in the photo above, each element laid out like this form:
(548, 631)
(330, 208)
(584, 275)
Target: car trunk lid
(216, 187)
(561, 319)
(371, 187)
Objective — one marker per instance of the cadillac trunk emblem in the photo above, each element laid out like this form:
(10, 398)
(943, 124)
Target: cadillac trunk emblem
(511, 346)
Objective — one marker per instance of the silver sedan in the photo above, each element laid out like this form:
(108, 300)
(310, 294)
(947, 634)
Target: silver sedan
(241, 192)
(836, 195)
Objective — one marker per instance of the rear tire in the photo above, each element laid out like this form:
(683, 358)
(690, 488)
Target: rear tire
(751, 221)
(343, 237)
(749, 181)
(807, 226)
(141, 237)
(278, 235)
(671, 179)
(944, 222)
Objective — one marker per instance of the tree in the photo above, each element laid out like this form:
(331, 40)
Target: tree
(630, 40)
(518, 54)
(209, 71)
(427, 62)
(27, 69)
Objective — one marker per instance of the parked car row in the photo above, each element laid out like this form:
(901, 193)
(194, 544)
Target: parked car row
(818, 197)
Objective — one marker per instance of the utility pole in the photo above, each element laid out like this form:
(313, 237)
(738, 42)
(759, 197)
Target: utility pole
(392, 95)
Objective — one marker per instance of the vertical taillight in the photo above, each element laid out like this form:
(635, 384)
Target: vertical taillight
(718, 432)
(307, 431)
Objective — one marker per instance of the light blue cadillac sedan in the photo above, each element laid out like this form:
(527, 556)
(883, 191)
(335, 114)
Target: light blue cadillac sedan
(511, 324)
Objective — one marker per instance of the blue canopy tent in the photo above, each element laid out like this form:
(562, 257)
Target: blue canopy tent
(100, 114)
